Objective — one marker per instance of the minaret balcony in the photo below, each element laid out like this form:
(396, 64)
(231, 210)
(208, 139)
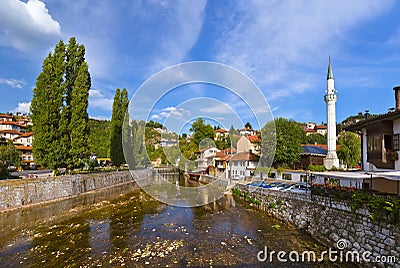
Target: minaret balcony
(330, 97)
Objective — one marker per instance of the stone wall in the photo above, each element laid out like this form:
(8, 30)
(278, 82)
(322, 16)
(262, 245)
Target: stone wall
(220, 182)
(16, 193)
(330, 221)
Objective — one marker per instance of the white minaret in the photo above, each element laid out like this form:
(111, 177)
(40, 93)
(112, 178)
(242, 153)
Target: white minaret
(331, 159)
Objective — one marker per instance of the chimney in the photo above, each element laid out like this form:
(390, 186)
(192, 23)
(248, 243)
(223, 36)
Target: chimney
(397, 97)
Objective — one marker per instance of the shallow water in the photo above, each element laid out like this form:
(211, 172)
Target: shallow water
(123, 226)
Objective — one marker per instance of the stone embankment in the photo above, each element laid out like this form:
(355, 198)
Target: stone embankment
(22, 192)
(332, 222)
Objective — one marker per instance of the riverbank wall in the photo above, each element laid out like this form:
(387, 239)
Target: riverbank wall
(23, 192)
(332, 223)
(206, 179)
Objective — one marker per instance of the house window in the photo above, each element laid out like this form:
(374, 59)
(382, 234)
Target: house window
(396, 142)
(287, 177)
(374, 143)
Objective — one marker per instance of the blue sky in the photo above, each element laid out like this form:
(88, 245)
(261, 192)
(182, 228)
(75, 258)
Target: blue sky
(283, 46)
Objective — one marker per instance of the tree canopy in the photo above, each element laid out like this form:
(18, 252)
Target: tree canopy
(59, 108)
(9, 155)
(201, 132)
(248, 125)
(286, 136)
(99, 137)
(349, 148)
(120, 106)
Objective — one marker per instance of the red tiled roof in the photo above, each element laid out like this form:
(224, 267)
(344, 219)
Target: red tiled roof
(9, 131)
(12, 123)
(254, 138)
(204, 149)
(222, 158)
(309, 130)
(246, 128)
(220, 130)
(5, 116)
(22, 147)
(245, 156)
(27, 134)
(321, 127)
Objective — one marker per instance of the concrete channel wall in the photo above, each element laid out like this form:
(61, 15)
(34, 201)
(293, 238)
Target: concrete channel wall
(17, 193)
(330, 221)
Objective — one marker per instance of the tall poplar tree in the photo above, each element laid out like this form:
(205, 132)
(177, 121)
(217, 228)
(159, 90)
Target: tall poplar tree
(78, 126)
(46, 107)
(59, 108)
(120, 106)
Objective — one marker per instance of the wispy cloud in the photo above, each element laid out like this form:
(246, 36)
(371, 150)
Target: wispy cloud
(278, 43)
(11, 82)
(27, 26)
(98, 100)
(171, 111)
(156, 34)
(23, 107)
(394, 40)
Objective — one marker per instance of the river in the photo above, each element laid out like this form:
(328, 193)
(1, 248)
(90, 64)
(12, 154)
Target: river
(123, 226)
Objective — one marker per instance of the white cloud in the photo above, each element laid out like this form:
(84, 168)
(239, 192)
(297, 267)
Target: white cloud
(98, 99)
(27, 26)
(277, 43)
(181, 28)
(23, 107)
(11, 82)
(171, 111)
(100, 117)
(155, 116)
(95, 93)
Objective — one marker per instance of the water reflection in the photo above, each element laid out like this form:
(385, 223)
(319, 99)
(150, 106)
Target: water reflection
(120, 227)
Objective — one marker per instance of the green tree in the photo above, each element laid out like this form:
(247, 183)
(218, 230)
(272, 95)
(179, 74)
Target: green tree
(201, 131)
(248, 125)
(314, 139)
(78, 126)
(349, 148)
(59, 108)
(120, 106)
(46, 105)
(99, 137)
(288, 136)
(9, 155)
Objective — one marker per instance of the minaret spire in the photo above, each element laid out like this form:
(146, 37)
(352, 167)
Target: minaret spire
(331, 159)
(330, 73)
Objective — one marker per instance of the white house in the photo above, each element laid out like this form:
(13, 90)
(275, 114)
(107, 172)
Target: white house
(243, 164)
(11, 125)
(206, 158)
(247, 131)
(24, 139)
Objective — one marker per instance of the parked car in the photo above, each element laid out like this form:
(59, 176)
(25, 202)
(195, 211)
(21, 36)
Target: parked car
(286, 187)
(11, 168)
(301, 188)
(274, 185)
(257, 183)
(31, 176)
